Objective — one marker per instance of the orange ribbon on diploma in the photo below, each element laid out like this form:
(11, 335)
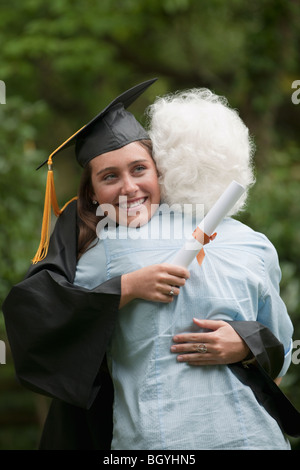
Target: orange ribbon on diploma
(205, 231)
(202, 238)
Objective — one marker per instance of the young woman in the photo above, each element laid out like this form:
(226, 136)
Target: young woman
(59, 331)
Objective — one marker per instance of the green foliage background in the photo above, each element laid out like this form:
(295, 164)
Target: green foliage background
(62, 61)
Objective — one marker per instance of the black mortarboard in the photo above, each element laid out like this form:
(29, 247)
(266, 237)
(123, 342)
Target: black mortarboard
(113, 128)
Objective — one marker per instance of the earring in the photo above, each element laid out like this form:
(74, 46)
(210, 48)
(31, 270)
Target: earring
(94, 202)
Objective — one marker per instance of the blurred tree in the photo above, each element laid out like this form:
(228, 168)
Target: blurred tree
(70, 56)
(20, 194)
(20, 187)
(62, 61)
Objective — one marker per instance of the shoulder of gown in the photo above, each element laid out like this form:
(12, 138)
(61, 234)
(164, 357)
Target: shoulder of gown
(58, 332)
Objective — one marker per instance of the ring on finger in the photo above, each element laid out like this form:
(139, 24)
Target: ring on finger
(171, 291)
(201, 348)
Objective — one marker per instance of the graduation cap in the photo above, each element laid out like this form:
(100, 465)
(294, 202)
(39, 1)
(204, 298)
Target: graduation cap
(113, 128)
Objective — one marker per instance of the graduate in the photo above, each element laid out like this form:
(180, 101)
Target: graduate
(60, 332)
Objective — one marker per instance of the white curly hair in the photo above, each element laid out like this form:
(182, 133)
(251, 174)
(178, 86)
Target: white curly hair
(200, 145)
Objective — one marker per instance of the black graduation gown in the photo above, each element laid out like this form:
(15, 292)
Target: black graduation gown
(59, 333)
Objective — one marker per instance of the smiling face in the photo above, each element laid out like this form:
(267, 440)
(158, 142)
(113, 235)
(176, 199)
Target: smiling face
(126, 181)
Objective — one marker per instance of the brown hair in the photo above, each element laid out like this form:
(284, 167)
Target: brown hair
(87, 218)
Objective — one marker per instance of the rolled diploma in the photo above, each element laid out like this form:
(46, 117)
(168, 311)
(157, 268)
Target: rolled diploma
(209, 223)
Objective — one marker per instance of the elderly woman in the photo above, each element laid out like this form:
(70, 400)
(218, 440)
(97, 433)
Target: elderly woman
(81, 301)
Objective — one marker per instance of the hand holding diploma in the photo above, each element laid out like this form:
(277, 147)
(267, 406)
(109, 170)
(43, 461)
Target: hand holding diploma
(204, 232)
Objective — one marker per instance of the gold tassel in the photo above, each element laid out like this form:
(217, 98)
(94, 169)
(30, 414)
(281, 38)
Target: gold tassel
(50, 201)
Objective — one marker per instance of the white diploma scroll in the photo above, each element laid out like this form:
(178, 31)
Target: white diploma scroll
(207, 226)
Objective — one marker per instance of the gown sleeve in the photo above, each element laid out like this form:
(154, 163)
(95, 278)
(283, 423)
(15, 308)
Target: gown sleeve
(58, 333)
(269, 357)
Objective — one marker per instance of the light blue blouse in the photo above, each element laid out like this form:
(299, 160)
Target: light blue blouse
(160, 403)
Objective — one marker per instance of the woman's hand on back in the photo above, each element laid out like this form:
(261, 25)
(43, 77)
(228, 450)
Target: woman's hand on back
(223, 345)
(157, 283)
